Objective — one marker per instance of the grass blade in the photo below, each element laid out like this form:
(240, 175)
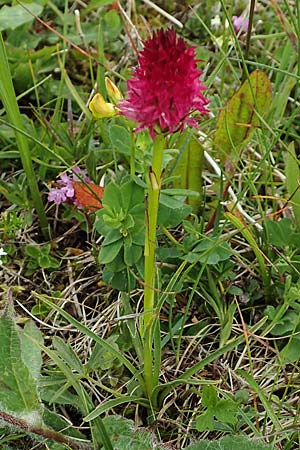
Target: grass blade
(8, 97)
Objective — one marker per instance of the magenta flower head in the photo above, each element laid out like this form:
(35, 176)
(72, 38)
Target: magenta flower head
(165, 87)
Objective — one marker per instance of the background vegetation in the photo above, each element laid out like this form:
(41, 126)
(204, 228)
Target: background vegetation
(226, 350)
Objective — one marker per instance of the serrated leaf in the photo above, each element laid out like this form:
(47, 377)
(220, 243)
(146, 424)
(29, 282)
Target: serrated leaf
(18, 390)
(238, 119)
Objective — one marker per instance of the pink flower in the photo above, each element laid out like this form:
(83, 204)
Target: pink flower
(65, 190)
(240, 23)
(165, 86)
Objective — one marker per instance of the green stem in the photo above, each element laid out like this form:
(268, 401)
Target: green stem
(8, 97)
(155, 176)
(100, 69)
(132, 155)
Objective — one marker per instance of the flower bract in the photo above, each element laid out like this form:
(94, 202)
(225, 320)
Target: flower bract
(113, 91)
(165, 87)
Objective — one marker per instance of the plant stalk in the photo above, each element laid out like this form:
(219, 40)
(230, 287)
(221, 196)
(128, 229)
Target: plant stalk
(152, 204)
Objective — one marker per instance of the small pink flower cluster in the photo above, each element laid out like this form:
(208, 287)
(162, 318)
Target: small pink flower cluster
(65, 190)
(240, 24)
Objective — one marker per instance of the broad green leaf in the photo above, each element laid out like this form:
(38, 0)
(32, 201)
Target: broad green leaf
(12, 17)
(205, 421)
(292, 172)
(33, 251)
(240, 116)
(172, 211)
(132, 253)
(112, 196)
(279, 233)
(286, 324)
(18, 390)
(112, 236)
(209, 396)
(291, 352)
(189, 171)
(226, 411)
(109, 252)
(31, 352)
(209, 251)
(120, 139)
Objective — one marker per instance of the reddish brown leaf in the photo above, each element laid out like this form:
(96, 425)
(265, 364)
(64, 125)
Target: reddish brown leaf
(88, 197)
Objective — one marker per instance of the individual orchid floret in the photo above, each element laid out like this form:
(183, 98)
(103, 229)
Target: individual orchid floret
(100, 108)
(240, 23)
(165, 87)
(113, 91)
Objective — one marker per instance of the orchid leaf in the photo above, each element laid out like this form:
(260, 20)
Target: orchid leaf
(189, 173)
(292, 172)
(241, 115)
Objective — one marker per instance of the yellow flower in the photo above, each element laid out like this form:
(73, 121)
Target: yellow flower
(112, 91)
(100, 108)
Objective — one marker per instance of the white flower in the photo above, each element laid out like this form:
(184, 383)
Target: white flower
(2, 253)
(215, 22)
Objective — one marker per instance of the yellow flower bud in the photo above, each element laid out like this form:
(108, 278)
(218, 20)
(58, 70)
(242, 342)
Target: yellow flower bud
(112, 91)
(100, 108)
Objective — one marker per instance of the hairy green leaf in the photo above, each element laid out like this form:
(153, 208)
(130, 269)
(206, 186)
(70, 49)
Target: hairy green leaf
(230, 443)
(18, 390)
